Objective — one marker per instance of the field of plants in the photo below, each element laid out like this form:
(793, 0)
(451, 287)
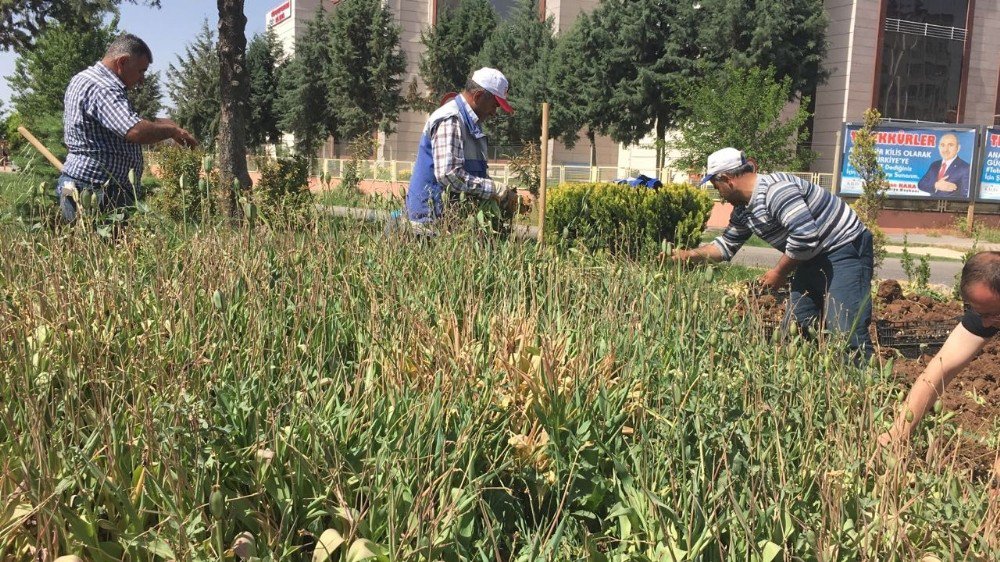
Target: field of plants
(327, 393)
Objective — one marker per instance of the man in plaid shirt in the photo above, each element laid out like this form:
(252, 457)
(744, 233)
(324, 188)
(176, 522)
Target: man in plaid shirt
(452, 155)
(104, 133)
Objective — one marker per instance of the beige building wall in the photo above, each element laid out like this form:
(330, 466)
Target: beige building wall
(984, 66)
(852, 35)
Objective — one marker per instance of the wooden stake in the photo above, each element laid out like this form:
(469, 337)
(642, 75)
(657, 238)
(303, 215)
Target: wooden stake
(40, 148)
(544, 172)
(971, 216)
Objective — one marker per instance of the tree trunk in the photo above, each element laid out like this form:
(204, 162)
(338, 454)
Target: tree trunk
(234, 90)
(593, 147)
(661, 144)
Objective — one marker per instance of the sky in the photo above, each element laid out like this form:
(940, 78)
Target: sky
(167, 30)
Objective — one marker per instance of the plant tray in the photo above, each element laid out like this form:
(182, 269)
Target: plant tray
(913, 334)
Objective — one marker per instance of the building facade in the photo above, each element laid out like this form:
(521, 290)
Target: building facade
(935, 61)
(288, 21)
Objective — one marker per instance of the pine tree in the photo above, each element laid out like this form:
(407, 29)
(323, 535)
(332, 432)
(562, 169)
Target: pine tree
(147, 97)
(788, 35)
(364, 78)
(742, 107)
(521, 48)
(42, 74)
(263, 64)
(193, 84)
(22, 22)
(453, 45)
(579, 91)
(302, 103)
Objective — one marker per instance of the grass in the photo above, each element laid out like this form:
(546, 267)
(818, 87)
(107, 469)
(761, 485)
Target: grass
(465, 399)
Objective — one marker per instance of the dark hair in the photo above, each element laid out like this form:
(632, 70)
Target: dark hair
(984, 268)
(472, 86)
(127, 44)
(737, 172)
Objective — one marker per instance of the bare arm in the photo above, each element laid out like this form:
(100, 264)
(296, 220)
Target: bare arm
(152, 132)
(778, 275)
(708, 253)
(958, 351)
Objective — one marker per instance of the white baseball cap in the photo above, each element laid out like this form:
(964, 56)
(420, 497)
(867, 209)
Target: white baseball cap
(723, 160)
(494, 82)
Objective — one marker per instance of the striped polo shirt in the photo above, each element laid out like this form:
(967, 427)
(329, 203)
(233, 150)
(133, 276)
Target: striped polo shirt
(794, 216)
(98, 115)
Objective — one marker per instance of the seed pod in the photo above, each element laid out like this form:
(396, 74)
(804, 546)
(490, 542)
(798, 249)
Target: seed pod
(217, 502)
(909, 415)
(938, 406)
(218, 299)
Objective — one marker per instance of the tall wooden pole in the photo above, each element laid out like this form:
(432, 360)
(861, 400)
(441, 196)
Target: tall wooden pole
(543, 172)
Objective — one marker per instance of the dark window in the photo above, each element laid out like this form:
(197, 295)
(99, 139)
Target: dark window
(923, 50)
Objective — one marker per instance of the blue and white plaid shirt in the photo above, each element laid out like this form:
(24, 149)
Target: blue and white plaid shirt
(98, 115)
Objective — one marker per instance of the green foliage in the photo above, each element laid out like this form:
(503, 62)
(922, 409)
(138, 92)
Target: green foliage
(41, 75)
(360, 151)
(786, 35)
(906, 261)
(864, 159)
(626, 220)
(453, 44)
(467, 399)
(742, 107)
(527, 167)
(302, 103)
(184, 192)
(193, 83)
(364, 77)
(282, 195)
(147, 97)
(22, 22)
(264, 68)
(521, 48)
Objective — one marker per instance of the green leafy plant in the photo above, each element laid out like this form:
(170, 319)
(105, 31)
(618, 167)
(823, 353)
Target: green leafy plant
(185, 190)
(625, 219)
(282, 194)
(864, 159)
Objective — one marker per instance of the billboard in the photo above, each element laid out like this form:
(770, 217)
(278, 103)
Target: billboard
(989, 186)
(920, 162)
(279, 14)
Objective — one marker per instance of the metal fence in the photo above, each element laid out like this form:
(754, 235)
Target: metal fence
(400, 171)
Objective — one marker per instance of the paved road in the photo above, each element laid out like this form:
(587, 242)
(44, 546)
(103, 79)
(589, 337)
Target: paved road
(942, 272)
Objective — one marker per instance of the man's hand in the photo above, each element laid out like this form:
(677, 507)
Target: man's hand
(945, 185)
(773, 279)
(506, 197)
(184, 138)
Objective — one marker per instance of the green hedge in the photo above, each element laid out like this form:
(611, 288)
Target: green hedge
(626, 219)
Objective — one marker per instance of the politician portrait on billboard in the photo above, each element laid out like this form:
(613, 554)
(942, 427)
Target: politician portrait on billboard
(919, 162)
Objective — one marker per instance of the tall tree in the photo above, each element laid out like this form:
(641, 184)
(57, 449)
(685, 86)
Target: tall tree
(650, 65)
(742, 107)
(579, 87)
(147, 97)
(41, 75)
(193, 84)
(453, 45)
(22, 22)
(303, 108)
(364, 79)
(521, 48)
(787, 35)
(264, 56)
(235, 97)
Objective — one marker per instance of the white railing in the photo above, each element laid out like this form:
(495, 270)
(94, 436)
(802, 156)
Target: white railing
(399, 171)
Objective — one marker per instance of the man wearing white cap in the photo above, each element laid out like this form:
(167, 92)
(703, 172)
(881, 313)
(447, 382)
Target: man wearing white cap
(822, 240)
(452, 155)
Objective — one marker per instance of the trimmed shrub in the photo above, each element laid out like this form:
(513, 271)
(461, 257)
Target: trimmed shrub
(183, 192)
(282, 195)
(622, 219)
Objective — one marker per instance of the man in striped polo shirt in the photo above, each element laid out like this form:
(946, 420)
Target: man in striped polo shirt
(823, 241)
(104, 133)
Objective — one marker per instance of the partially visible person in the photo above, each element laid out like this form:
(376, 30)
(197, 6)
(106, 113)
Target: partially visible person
(980, 289)
(821, 238)
(949, 176)
(452, 156)
(103, 132)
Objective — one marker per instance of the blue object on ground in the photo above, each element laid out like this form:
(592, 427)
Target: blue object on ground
(641, 181)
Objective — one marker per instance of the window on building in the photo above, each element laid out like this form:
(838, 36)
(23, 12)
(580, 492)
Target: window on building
(923, 50)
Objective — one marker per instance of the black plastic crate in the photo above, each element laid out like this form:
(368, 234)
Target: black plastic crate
(913, 334)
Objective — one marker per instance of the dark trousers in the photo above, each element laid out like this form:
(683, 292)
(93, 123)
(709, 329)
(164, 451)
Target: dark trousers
(834, 290)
